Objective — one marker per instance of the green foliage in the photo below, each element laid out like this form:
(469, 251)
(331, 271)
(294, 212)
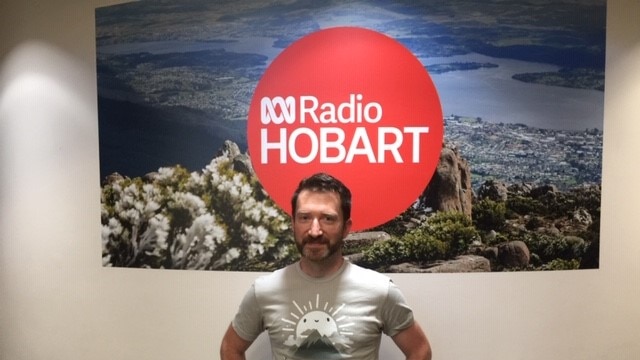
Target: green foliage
(489, 215)
(413, 247)
(560, 264)
(455, 229)
(550, 247)
(523, 205)
(444, 235)
(560, 204)
(534, 222)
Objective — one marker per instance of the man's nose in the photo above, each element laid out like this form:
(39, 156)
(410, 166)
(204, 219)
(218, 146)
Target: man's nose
(315, 229)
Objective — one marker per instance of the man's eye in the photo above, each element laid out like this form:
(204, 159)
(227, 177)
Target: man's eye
(303, 218)
(329, 220)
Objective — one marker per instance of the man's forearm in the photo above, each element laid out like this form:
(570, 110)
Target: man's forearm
(233, 347)
(231, 355)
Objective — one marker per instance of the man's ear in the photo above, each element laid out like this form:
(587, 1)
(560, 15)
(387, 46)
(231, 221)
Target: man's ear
(347, 228)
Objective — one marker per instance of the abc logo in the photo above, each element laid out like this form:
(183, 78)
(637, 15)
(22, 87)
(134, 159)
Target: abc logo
(277, 110)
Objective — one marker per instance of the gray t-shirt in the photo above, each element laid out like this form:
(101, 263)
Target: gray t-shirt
(338, 317)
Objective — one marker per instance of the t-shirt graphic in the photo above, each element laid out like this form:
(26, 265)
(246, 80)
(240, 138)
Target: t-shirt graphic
(319, 331)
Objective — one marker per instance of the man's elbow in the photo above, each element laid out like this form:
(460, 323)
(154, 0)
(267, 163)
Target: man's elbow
(422, 352)
(427, 352)
(228, 352)
(425, 349)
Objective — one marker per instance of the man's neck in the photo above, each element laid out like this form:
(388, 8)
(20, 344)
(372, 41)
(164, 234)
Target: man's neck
(324, 268)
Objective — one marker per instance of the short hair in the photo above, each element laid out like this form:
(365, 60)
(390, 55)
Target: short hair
(323, 182)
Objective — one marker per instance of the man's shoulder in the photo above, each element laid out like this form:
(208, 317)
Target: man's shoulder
(277, 276)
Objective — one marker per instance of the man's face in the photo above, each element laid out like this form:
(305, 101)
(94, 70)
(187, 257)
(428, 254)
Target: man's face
(318, 225)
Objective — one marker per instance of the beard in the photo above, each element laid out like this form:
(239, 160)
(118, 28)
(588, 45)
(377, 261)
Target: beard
(318, 249)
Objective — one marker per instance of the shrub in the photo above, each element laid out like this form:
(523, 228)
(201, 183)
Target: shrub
(550, 247)
(444, 235)
(489, 215)
(411, 247)
(453, 228)
(560, 264)
(534, 222)
(207, 220)
(524, 205)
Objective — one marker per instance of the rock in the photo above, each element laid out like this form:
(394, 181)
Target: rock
(513, 254)
(229, 149)
(583, 217)
(550, 230)
(241, 162)
(364, 239)
(491, 237)
(521, 189)
(544, 190)
(493, 190)
(406, 268)
(115, 177)
(461, 264)
(577, 222)
(450, 187)
(368, 236)
(355, 258)
(491, 253)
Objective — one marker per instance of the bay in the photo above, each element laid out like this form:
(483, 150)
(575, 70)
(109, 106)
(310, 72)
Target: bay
(491, 94)
(487, 93)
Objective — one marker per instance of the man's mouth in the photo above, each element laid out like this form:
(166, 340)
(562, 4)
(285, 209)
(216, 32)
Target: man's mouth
(316, 243)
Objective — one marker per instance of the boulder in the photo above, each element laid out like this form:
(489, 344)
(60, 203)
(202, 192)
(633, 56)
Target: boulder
(241, 162)
(364, 239)
(520, 189)
(583, 217)
(493, 190)
(461, 264)
(544, 190)
(513, 254)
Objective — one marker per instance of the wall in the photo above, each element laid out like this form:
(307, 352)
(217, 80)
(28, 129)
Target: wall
(58, 302)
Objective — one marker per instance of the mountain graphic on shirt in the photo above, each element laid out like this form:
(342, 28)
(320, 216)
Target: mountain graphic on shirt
(316, 346)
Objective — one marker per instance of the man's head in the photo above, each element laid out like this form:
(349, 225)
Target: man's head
(321, 215)
(322, 182)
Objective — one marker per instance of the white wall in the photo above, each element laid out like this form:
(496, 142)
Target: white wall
(58, 302)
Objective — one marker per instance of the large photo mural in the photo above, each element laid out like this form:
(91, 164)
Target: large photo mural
(517, 184)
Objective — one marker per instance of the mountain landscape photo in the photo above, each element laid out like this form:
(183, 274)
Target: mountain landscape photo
(518, 185)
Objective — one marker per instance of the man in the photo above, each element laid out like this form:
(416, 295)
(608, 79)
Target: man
(324, 307)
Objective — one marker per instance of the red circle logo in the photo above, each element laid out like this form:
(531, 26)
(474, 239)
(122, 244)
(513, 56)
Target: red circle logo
(353, 103)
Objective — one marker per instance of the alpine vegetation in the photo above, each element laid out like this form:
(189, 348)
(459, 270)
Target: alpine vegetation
(215, 219)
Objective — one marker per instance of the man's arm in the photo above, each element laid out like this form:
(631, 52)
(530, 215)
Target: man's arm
(233, 346)
(413, 343)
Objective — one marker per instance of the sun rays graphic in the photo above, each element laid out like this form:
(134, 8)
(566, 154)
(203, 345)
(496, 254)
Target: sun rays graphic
(321, 318)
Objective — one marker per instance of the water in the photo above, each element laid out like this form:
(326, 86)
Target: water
(251, 45)
(487, 93)
(492, 95)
